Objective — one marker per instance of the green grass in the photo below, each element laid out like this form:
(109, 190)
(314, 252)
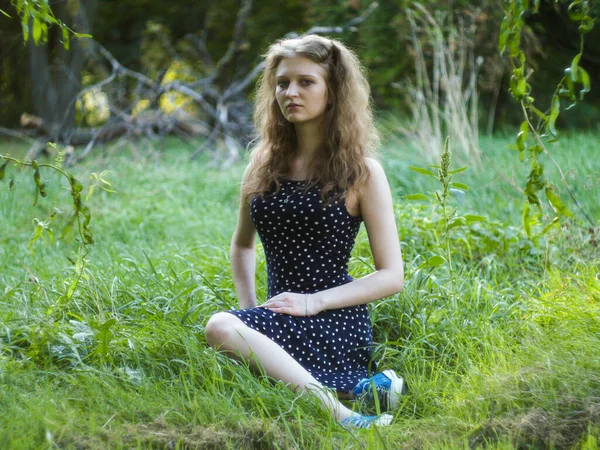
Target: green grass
(505, 353)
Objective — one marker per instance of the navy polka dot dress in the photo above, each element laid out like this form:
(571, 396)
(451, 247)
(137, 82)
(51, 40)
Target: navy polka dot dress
(307, 247)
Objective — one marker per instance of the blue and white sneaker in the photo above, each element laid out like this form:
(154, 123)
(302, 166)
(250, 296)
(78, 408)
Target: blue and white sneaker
(388, 386)
(360, 421)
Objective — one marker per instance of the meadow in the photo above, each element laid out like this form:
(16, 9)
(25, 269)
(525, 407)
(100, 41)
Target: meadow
(501, 352)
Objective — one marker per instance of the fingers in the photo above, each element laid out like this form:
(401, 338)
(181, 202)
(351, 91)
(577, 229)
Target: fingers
(280, 307)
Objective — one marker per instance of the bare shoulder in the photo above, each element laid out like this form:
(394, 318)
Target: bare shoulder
(377, 177)
(365, 192)
(375, 167)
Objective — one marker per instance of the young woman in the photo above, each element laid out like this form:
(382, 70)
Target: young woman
(310, 183)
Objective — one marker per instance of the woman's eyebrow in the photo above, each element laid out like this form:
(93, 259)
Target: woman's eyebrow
(301, 75)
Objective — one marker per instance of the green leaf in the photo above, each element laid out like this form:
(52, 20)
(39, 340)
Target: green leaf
(535, 182)
(65, 38)
(587, 24)
(25, 28)
(90, 192)
(460, 186)
(536, 150)
(503, 35)
(585, 80)
(551, 225)
(575, 11)
(522, 138)
(3, 170)
(527, 220)
(539, 113)
(39, 229)
(5, 13)
(435, 261)
(50, 234)
(88, 239)
(68, 226)
(415, 197)
(462, 169)
(574, 67)
(76, 185)
(554, 111)
(422, 171)
(470, 218)
(557, 204)
(37, 31)
(458, 222)
(105, 336)
(85, 211)
(513, 42)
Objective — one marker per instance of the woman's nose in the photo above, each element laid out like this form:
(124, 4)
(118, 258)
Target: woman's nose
(292, 90)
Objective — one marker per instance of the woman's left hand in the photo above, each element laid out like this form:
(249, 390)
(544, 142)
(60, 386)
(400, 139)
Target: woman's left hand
(291, 303)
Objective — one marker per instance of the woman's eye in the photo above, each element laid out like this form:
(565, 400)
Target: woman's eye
(281, 83)
(307, 82)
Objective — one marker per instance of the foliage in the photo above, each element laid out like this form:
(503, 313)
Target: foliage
(573, 86)
(36, 17)
(80, 217)
(506, 355)
(81, 213)
(448, 219)
(383, 43)
(443, 96)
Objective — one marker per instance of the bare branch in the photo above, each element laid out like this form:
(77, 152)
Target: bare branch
(238, 34)
(224, 117)
(18, 135)
(349, 26)
(201, 47)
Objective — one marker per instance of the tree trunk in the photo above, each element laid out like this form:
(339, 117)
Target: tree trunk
(55, 71)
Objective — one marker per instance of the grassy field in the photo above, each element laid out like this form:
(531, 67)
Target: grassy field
(501, 352)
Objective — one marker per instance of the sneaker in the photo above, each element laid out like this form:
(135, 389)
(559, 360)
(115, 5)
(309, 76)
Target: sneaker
(388, 386)
(360, 421)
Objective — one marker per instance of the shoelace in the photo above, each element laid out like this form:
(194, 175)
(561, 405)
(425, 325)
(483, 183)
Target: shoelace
(367, 392)
(358, 421)
(367, 387)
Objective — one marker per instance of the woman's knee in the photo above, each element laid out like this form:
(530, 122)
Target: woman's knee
(219, 328)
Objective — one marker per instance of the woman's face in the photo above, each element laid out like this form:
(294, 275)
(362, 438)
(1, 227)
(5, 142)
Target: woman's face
(301, 90)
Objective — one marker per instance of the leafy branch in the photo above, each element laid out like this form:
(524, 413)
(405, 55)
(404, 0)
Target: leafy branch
(81, 212)
(41, 17)
(530, 139)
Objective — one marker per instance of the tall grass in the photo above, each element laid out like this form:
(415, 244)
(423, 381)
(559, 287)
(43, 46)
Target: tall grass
(507, 355)
(443, 95)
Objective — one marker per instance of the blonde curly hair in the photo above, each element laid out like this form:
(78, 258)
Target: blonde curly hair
(350, 134)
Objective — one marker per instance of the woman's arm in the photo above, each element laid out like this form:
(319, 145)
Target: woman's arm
(377, 210)
(243, 257)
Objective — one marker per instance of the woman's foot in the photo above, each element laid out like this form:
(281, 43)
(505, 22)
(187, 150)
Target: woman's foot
(388, 386)
(360, 421)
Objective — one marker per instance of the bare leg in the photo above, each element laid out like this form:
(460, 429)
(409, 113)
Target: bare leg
(345, 395)
(228, 334)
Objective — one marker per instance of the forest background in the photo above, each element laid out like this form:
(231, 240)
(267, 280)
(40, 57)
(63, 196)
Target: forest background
(155, 38)
(102, 346)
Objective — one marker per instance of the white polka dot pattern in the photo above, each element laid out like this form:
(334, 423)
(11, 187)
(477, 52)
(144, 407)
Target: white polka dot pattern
(307, 248)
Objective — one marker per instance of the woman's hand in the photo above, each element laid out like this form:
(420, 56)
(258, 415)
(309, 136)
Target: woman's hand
(291, 303)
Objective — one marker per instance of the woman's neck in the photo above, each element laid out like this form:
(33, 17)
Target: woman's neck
(310, 141)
